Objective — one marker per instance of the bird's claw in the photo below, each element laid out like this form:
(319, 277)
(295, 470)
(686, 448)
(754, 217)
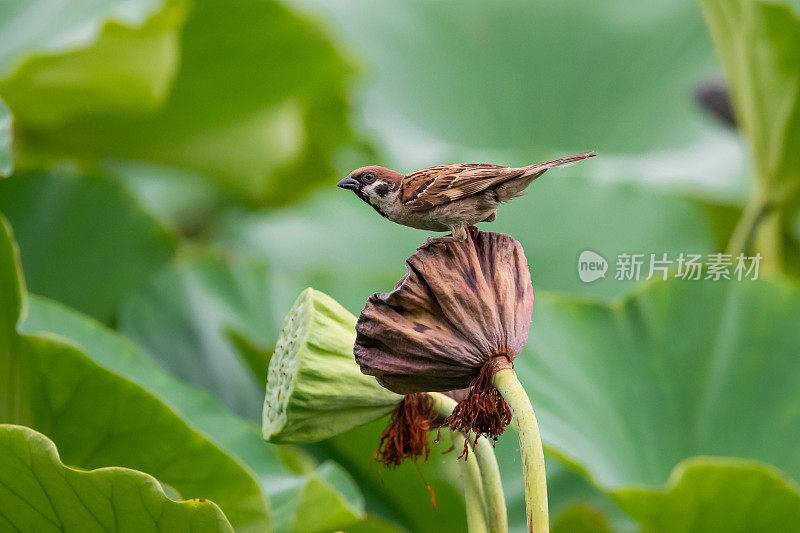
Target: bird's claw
(458, 234)
(436, 240)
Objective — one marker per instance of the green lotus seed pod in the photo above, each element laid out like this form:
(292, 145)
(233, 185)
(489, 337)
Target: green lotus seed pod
(315, 389)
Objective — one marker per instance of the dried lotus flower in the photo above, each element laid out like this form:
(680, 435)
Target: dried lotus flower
(459, 318)
(459, 315)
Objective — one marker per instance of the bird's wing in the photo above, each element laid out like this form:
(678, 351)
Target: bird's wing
(427, 188)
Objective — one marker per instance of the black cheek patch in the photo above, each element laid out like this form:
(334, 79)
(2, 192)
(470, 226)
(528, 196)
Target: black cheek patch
(382, 189)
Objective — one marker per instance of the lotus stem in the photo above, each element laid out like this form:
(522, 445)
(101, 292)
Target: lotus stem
(492, 486)
(494, 498)
(744, 234)
(473, 489)
(530, 444)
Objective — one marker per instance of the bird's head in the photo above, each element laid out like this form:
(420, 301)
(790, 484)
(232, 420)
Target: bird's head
(373, 184)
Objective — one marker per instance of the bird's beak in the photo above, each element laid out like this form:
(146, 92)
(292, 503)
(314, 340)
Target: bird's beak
(349, 183)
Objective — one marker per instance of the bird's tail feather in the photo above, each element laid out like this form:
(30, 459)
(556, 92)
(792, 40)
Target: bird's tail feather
(539, 168)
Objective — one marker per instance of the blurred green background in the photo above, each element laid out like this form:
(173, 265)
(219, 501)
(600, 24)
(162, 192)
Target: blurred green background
(169, 176)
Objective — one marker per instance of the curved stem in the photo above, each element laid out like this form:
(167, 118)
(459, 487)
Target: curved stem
(530, 445)
(492, 486)
(494, 497)
(744, 234)
(473, 491)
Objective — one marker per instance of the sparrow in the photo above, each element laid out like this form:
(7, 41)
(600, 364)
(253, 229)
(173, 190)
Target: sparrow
(446, 197)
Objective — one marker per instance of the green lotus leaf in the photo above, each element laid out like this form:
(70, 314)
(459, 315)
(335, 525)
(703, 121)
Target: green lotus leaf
(180, 198)
(294, 493)
(327, 500)
(152, 93)
(36, 31)
(209, 320)
(698, 499)
(717, 495)
(315, 389)
(574, 502)
(39, 493)
(677, 369)
(626, 391)
(126, 69)
(98, 418)
(104, 243)
(580, 519)
(517, 76)
(45, 26)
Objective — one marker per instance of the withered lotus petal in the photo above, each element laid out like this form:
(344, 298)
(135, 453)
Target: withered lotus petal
(458, 394)
(459, 304)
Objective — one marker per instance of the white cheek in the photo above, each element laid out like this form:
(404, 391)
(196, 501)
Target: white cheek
(370, 191)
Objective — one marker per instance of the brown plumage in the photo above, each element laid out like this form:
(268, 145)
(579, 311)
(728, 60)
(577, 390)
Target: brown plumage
(446, 197)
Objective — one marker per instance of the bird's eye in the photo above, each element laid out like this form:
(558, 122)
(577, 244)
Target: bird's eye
(369, 177)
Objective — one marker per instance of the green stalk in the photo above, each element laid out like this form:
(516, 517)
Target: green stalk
(744, 234)
(473, 490)
(492, 486)
(759, 230)
(530, 445)
(494, 497)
